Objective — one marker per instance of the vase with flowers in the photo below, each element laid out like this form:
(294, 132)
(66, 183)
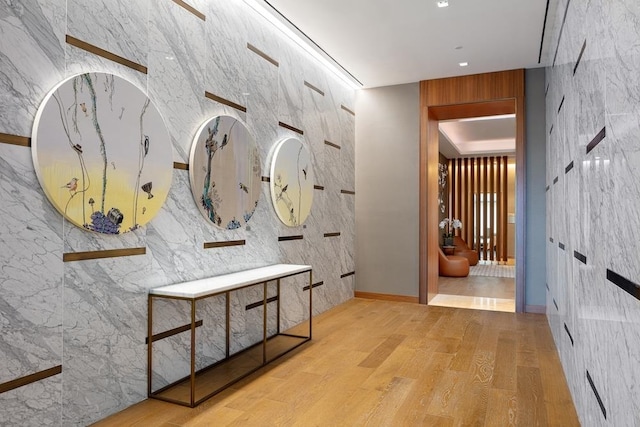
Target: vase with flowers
(448, 226)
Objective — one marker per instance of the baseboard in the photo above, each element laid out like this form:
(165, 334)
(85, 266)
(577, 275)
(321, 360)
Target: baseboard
(538, 309)
(386, 297)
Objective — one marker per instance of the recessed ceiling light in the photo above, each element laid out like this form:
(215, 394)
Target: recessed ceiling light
(464, 64)
(443, 3)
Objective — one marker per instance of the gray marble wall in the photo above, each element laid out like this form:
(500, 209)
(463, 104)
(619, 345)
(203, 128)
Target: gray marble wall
(90, 316)
(593, 198)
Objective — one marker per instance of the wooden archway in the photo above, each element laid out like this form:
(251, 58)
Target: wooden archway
(461, 97)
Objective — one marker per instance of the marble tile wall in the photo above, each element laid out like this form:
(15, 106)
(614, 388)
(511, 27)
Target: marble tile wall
(90, 316)
(593, 197)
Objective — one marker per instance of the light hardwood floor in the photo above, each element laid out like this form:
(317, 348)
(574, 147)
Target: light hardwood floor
(383, 363)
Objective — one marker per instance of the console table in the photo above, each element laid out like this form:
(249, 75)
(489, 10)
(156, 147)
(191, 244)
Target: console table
(200, 385)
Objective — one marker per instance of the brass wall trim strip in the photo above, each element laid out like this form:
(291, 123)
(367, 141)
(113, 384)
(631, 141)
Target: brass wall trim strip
(351, 273)
(561, 104)
(595, 392)
(191, 9)
(312, 87)
(318, 187)
(331, 144)
(564, 19)
(111, 253)
(287, 238)
(259, 303)
(266, 179)
(566, 329)
(181, 166)
(263, 55)
(623, 283)
(105, 54)
(331, 234)
(225, 101)
(28, 379)
(211, 245)
(597, 139)
(569, 167)
(22, 141)
(171, 332)
(291, 128)
(315, 285)
(575, 67)
(347, 110)
(348, 192)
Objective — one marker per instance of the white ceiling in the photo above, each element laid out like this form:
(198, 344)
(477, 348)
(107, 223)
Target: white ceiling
(387, 42)
(482, 135)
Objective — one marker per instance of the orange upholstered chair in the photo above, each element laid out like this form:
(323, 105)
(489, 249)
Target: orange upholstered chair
(452, 266)
(462, 249)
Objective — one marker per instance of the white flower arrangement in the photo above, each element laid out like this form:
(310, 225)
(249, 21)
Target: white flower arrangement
(448, 225)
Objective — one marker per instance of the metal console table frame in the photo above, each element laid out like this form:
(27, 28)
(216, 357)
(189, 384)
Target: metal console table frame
(210, 287)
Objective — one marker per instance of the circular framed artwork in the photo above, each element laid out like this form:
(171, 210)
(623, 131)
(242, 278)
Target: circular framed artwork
(102, 153)
(225, 173)
(291, 182)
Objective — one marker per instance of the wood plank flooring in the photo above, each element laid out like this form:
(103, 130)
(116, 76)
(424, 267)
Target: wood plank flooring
(383, 363)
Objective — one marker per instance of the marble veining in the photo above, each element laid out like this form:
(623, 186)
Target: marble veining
(28, 73)
(31, 281)
(117, 26)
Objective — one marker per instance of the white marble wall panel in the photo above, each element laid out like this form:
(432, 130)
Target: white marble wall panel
(33, 405)
(227, 54)
(118, 26)
(246, 325)
(31, 283)
(598, 206)
(314, 133)
(291, 84)
(104, 355)
(177, 72)
(28, 73)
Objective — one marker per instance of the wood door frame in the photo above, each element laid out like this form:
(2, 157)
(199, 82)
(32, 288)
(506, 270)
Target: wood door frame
(460, 97)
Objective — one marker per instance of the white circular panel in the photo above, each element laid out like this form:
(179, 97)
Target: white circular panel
(224, 169)
(102, 153)
(291, 181)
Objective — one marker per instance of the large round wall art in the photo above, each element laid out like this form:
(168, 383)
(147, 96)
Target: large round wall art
(291, 182)
(102, 153)
(224, 169)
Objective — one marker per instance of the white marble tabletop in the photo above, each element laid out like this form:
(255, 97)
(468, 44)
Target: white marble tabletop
(213, 285)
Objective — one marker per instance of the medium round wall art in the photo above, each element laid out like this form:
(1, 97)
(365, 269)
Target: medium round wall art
(291, 181)
(102, 153)
(225, 174)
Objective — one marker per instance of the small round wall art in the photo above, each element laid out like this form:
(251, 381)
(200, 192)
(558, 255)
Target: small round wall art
(225, 173)
(291, 181)
(102, 153)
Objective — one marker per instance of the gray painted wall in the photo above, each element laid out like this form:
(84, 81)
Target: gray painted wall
(535, 137)
(387, 186)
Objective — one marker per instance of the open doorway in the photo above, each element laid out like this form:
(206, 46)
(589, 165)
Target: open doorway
(479, 95)
(476, 178)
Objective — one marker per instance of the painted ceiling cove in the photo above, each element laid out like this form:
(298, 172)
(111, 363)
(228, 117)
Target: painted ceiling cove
(384, 42)
(478, 136)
